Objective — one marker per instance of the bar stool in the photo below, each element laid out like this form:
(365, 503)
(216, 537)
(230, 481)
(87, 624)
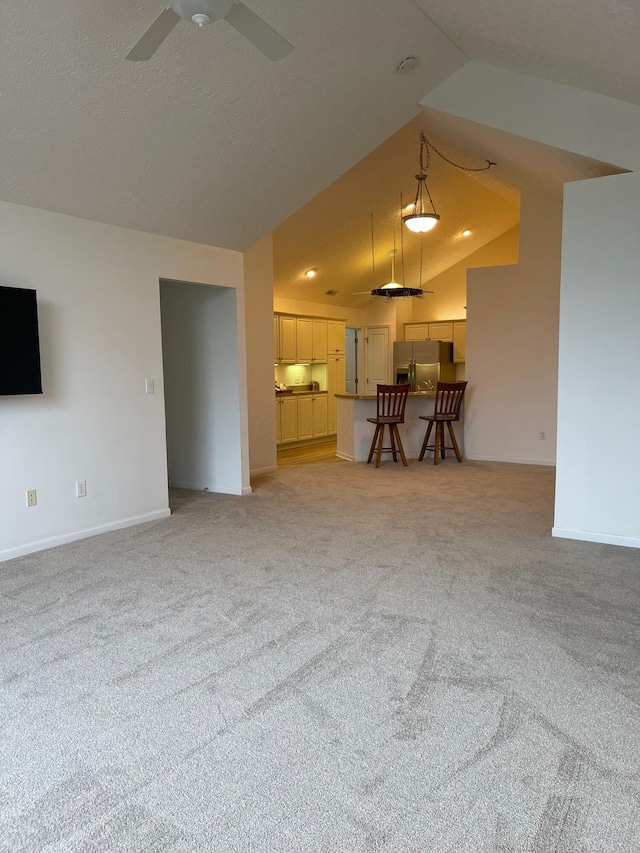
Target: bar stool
(449, 396)
(391, 401)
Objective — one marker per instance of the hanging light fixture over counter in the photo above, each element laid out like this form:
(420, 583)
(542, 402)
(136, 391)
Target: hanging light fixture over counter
(423, 219)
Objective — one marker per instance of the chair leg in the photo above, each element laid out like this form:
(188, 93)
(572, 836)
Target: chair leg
(454, 442)
(424, 443)
(394, 428)
(373, 443)
(436, 443)
(442, 444)
(392, 439)
(380, 441)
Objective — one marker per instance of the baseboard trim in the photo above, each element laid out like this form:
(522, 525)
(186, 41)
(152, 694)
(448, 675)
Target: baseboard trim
(219, 490)
(54, 541)
(268, 470)
(551, 463)
(602, 538)
(348, 456)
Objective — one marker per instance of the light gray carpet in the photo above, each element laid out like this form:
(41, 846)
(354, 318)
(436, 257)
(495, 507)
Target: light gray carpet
(349, 659)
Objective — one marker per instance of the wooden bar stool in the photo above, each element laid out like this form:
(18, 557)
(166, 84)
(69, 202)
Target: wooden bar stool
(449, 396)
(391, 401)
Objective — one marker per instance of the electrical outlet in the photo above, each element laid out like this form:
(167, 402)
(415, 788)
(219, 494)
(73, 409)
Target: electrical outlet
(81, 488)
(32, 498)
(149, 386)
(542, 435)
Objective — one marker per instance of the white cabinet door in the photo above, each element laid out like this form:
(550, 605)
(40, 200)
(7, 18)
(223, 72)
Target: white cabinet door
(440, 331)
(305, 417)
(287, 337)
(288, 419)
(416, 331)
(319, 341)
(335, 337)
(459, 341)
(304, 340)
(320, 411)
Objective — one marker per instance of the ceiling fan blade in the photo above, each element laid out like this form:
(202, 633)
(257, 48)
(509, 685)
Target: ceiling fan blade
(257, 31)
(147, 45)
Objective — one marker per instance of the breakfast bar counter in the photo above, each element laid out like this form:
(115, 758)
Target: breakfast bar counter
(355, 432)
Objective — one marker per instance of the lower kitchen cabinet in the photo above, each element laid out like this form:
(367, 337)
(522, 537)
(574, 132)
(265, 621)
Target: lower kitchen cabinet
(312, 416)
(286, 419)
(301, 417)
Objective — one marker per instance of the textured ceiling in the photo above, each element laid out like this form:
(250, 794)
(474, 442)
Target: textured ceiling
(332, 232)
(207, 141)
(591, 44)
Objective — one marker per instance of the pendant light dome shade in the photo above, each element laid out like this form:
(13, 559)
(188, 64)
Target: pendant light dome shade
(420, 223)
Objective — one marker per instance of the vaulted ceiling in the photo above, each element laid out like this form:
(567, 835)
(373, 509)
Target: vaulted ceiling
(209, 141)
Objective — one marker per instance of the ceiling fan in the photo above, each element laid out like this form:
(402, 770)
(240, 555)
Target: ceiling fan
(202, 12)
(393, 284)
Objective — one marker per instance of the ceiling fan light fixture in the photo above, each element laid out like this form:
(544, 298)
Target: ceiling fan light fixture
(201, 19)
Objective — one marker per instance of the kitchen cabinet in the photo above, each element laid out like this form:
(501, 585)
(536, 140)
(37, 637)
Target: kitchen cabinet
(311, 340)
(459, 341)
(335, 337)
(336, 365)
(440, 331)
(285, 339)
(286, 419)
(312, 416)
(416, 332)
(449, 330)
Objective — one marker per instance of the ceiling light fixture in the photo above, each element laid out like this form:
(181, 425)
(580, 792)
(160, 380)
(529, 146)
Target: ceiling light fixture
(393, 289)
(310, 273)
(422, 219)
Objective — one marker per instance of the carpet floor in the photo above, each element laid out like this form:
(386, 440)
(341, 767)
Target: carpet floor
(349, 659)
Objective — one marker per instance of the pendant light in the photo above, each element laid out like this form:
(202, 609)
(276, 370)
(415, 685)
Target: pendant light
(424, 219)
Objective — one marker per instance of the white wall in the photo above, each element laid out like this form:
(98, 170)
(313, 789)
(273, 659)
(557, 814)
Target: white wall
(258, 282)
(449, 297)
(99, 311)
(512, 345)
(598, 470)
(201, 385)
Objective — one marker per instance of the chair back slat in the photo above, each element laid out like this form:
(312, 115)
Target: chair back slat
(449, 397)
(392, 400)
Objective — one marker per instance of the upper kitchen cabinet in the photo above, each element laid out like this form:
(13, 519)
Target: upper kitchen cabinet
(311, 340)
(441, 331)
(285, 336)
(335, 337)
(416, 332)
(459, 341)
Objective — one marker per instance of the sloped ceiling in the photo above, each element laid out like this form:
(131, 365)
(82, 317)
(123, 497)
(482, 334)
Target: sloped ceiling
(332, 232)
(208, 140)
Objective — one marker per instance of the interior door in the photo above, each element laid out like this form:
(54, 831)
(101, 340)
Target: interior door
(377, 361)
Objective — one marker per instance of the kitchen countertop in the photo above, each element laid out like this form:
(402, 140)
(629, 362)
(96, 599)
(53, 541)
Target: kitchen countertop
(298, 393)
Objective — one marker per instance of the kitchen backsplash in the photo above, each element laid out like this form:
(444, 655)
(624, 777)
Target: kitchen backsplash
(296, 376)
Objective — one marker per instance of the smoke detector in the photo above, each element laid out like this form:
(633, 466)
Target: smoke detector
(406, 65)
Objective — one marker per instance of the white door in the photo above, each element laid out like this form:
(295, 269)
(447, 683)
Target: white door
(377, 362)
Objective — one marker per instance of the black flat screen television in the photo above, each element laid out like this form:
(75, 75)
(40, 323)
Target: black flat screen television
(19, 342)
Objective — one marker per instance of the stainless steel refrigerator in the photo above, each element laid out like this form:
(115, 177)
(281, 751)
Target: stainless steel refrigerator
(423, 364)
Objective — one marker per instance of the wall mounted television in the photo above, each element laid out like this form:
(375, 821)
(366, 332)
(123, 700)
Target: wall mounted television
(19, 342)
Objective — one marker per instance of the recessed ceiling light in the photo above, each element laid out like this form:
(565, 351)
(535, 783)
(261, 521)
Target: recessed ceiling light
(310, 273)
(466, 233)
(409, 206)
